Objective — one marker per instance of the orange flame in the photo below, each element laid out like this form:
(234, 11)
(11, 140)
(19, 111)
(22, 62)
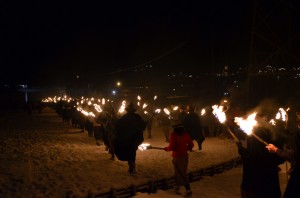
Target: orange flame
(219, 113)
(248, 124)
(144, 146)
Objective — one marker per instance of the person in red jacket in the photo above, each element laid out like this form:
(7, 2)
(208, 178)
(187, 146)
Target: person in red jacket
(180, 143)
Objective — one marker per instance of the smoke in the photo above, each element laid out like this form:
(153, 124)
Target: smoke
(267, 108)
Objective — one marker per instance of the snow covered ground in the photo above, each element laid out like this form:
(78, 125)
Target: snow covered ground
(43, 157)
(225, 185)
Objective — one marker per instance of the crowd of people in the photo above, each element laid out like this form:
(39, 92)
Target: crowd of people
(123, 133)
(261, 160)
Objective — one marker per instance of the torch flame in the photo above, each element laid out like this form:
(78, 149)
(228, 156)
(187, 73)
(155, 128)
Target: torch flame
(281, 114)
(203, 112)
(157, 110)
(248, 124)
(219, 113)
(122, 108)
(87, 113)
(144, 105)
(92, 114)
(166, 111)
(273, 122)
(97, 107)
(144, 146)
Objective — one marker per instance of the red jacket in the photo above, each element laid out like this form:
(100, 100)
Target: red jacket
(180, 144)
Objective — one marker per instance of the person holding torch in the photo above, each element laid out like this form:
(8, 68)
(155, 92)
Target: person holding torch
(291, 154)
(129, 135)
(180, 143)
(192, 125)
(260, 168)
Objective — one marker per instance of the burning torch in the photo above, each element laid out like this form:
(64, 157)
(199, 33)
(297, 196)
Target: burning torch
(220, 115)
(146, 146)
(247, 126)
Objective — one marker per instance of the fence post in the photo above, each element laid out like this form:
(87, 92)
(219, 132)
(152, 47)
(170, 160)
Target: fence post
(132, 190)
(113, 193)
(152, 187)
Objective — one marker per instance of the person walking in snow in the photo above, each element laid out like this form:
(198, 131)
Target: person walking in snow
(111, 131)
(260, 168)
(129, 135)
(180, 143)
(291, 154)
(165, 123)
(182, 114)
(192, 125)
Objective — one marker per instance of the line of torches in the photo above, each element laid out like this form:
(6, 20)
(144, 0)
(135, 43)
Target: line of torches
(246, 124)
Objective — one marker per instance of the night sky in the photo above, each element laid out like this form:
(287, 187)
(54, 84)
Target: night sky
(45, 42)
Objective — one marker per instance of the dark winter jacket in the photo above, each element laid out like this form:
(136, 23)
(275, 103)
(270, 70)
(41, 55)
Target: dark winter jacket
(293, 156)
(192, 125)
(260, 168)
(129, 135)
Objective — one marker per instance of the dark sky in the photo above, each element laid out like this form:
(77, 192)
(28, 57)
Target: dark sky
(44, 42)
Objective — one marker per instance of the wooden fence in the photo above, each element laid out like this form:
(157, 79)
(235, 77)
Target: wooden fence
(167, 183)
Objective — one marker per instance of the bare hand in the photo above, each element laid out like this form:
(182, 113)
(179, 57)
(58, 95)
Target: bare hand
(271, 148)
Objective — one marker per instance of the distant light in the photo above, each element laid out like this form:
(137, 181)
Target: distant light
(118, 83)
(114, 92)
(23, 86)
(202, 112)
